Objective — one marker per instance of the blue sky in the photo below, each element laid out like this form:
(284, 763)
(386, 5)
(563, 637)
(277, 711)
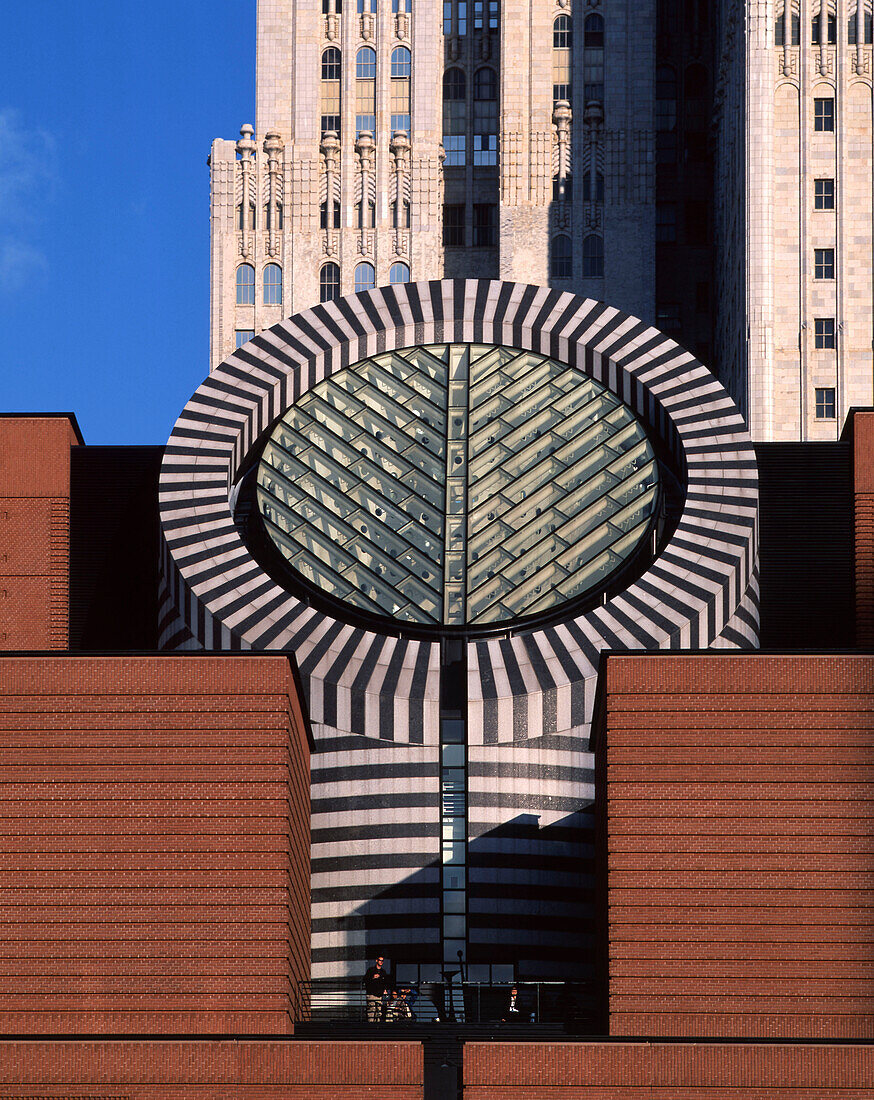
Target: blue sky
(107, 112)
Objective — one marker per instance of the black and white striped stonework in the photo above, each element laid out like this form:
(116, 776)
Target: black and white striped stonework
(374, 699)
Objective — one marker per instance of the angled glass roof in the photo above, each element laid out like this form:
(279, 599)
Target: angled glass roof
(457, 484)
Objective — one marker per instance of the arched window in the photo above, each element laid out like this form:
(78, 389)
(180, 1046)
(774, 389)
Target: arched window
(593, 32)
(593, 58)
(399, 93)
(331, 64)
(485, 116)
(562, 33)
(330, 90)
(365, 278)
(562, 40)
(399, 273)
(273, 285)
(365, 90)
(365, 64)
(561, 262)
(401, 62)
(245, 285)
(329, 283)
(593, 257)
(593, 186)
(454, 116)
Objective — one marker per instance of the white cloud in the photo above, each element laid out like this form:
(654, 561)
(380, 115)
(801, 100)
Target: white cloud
(27, 181)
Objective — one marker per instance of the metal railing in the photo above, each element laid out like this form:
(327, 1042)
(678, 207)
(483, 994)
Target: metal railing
(344, 1000)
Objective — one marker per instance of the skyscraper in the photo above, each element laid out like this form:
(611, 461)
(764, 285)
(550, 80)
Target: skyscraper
(399, 142)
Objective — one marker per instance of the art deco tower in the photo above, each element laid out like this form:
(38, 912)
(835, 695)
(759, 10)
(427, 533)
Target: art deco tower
(405, 139)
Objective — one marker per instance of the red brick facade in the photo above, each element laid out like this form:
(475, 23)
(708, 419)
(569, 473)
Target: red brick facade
(154, 840)
(863, 478)
(661, 1071)
(242, 1070)
(35, 531)
(739, 847)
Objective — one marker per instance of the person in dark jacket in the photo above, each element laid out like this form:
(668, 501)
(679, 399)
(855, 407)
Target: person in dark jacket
(377, 984)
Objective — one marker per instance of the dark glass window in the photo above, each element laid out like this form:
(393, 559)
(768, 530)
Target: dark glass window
(561, 259)
(593, 186)
(666, 222)
(823, 263)
(245, 285)
(331, 64)
(824, 332)
(593, 256)
(273, 285)
(453, 224)
(562, 33)
(824, 114)
(823, 194)
(593, 32)
(323, 216)
(485, 224)
(825, 403)
(329, 283)
(563, 190)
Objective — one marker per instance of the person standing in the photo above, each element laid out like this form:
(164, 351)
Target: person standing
(377, 983)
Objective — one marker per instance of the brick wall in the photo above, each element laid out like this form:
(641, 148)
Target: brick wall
(154, 841)
(211, 1070)
(35, 531)
(863, 478)
(739, 849)
(682, 1071)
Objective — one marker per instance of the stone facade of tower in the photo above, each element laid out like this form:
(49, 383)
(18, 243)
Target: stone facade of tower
(805, 141)
(469, 139)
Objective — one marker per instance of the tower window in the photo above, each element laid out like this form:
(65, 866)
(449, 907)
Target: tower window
(853, 25)
(824, 114)
(365, 215)
(399, 106)
(561, 261)
(246, 215)
(593, 186)
(666, 222)
(485, 15)
(562, 35)
(400, 217)
(453, 224)
(593, 32)
(365, 278)
(323, 215)
(401, 5)
(329, 283)
(330, 91)
(243, 336)
(245, 285)
(485, 224)
(399, 273)
(563, 189)
(824, 332)
(593, 256)
(823, 194)
(823, 263)
(831, 29)
(368, 6)
(485, 117)
(365, 90)
(272, 285)
(825, 403)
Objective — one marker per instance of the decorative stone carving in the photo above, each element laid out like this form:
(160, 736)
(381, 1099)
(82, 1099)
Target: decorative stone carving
(402, 25)
(273, 147)
(400, 153)
(367, 27)
(330, 156)
(246, 149)
(332, 27)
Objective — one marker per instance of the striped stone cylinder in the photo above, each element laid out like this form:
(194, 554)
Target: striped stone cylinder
(373, 696)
